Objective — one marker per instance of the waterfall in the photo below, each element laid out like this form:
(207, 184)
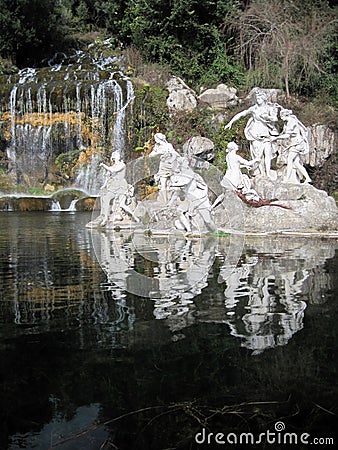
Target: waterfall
(55, 206)
(63, 120)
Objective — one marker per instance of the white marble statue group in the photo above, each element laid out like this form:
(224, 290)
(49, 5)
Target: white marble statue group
(262, 133)
(182, 190)
(180, 187)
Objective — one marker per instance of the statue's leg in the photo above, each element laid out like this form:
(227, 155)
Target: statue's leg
(290, 165)
(257, 152)
(267, 158)
(106, 207)
(208, 220)
(126, 208)
(163, 190)
(185, 221)
(301, 169)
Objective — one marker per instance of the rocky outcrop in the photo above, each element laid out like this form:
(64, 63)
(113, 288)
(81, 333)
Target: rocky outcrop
(220, 98)
(322, 142)
(199, 146)
(311, 209)
(181, 97)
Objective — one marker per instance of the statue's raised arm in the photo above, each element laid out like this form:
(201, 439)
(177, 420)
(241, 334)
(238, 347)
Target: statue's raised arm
(259, 130)
(236, 117)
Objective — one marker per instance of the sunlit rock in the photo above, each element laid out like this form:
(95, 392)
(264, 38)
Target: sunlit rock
(220, 98)
(181, 97)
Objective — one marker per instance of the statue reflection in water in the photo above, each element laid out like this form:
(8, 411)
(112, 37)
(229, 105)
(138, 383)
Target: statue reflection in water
(263, 301)
(171, 271)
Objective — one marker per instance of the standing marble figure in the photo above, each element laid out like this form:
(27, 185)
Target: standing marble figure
(168, 165)
(115, 194)
(295, 135)
(259, 130)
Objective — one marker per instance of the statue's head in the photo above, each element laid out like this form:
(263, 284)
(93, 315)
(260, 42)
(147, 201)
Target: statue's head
(232, 146)
(261, 96)
(115, 156)
(160, 138)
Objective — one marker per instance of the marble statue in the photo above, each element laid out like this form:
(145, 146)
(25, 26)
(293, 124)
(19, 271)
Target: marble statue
(190, 194)
(168, 165)
(294, 134)
(259, 130)
(234, 178)
(182, 204)
(115, 194)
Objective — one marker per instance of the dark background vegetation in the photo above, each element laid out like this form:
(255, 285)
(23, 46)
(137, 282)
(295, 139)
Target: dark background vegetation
(289, 44)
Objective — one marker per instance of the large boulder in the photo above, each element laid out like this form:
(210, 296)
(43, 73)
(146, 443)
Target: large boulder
(181, 97)
(322, 142)
(220, 98)
(311, 209)
(200, 147)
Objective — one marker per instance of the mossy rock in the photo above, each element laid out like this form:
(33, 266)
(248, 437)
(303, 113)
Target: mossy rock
(88, 204)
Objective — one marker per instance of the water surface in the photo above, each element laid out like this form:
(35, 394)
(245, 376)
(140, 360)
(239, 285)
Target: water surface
(141, 342)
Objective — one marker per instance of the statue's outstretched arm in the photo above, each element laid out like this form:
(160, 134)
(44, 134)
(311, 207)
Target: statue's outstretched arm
(237, 117)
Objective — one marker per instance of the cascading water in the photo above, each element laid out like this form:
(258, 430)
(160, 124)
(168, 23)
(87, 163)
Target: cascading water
(60, 122)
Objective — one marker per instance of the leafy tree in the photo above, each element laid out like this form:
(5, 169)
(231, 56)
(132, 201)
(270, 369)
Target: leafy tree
(31, 29)
(185, 34)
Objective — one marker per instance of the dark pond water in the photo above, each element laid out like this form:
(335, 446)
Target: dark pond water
(118, 341)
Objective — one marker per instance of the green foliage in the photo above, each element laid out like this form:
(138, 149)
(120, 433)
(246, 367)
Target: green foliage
(65, 162)
(6, 67)
(184, 34)
(150, 114)
(289, 43)
(31, 29)
(285, 44)
(6, 182)
(222, 138)
(183, 125)
(223, 69)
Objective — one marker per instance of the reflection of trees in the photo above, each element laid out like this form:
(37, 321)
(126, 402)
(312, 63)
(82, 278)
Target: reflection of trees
(51, 279)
